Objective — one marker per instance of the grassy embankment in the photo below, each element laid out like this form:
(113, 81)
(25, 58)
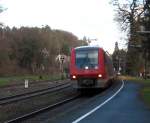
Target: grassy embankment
(17, 79)
(145, 90)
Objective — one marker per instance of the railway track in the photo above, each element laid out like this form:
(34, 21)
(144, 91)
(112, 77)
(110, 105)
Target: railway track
(42, 110)
(37, 112)
(18, 97)
(33, 83)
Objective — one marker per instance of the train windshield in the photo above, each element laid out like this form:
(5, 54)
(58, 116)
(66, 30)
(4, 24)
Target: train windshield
(87, 59)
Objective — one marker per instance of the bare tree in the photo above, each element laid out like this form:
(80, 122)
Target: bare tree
(1, 10)
(129, 14)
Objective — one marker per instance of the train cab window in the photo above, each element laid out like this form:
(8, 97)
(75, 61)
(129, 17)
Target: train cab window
(87, 59)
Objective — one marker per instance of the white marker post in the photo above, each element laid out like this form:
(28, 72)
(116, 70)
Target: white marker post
(26, 83)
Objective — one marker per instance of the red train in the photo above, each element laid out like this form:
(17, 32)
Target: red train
(91, 67)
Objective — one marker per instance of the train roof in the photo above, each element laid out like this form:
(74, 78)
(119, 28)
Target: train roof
(87, 47)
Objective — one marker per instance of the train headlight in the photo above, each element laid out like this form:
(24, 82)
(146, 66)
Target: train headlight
(99, 75)
(74, 77)
(86, 67)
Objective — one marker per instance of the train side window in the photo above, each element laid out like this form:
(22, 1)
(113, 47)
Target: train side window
(105, 62)
(108, 64)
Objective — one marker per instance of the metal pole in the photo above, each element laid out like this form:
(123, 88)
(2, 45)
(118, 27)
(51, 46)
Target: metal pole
(118, 66)
(145, 65)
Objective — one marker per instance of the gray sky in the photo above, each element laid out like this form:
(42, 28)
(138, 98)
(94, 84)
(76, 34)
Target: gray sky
(90, 18)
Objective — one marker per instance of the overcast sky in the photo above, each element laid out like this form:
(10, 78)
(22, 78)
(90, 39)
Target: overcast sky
(90, 18)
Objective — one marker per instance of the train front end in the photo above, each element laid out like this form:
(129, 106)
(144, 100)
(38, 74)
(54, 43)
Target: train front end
(87, 67)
